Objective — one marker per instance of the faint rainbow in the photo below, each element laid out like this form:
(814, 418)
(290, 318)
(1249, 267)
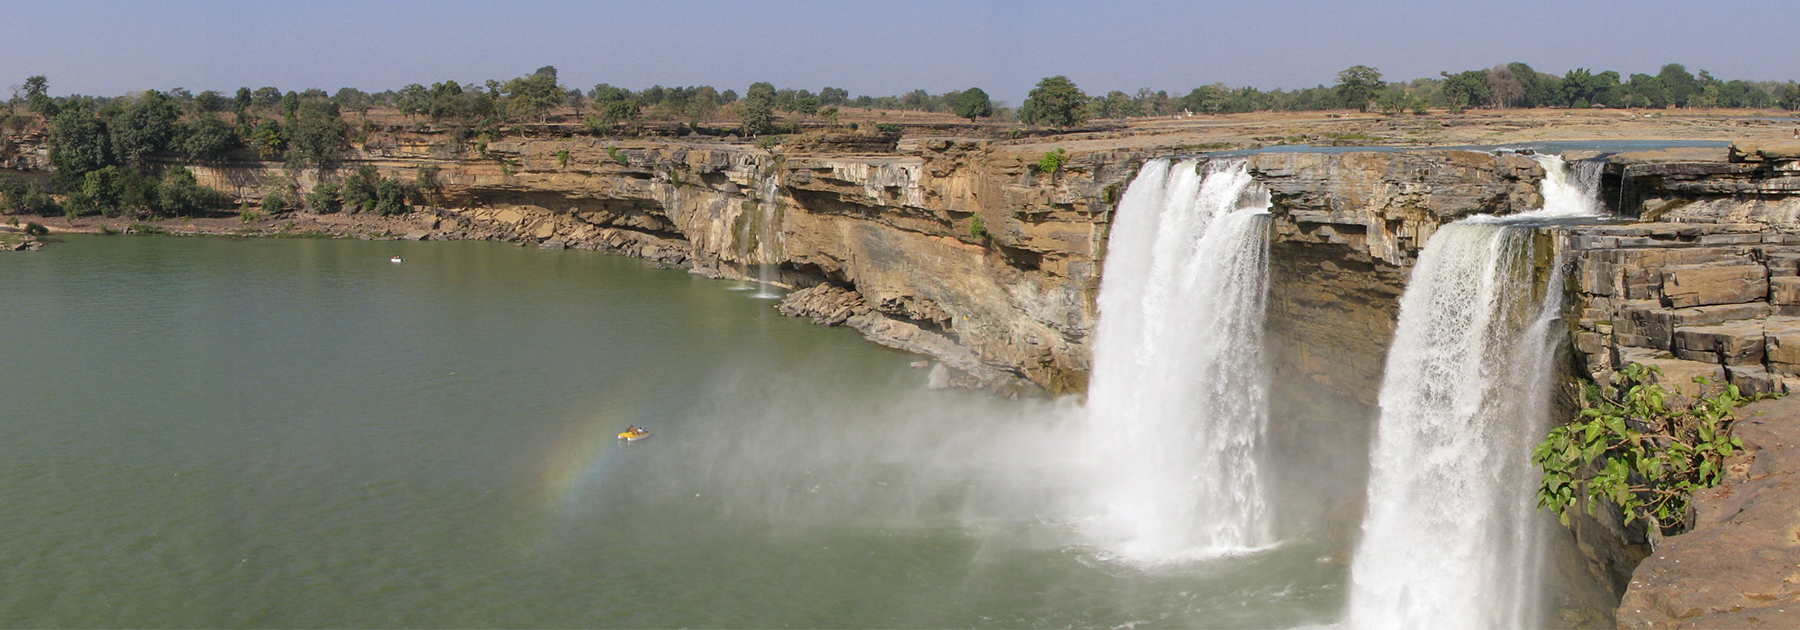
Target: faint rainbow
(578, 460)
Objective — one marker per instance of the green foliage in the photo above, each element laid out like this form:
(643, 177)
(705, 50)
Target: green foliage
(79, 144)
(534, 95)
(617, 156)
(974, 103)
(889, 127)
(317, 135)
(19, 195)
(268, 140)
(33, 229)
(978, 229)
(1646, 451)
(1056, 102)
(757, 114)
(272, 204)
(1357, 85)
(208, 139)
(426, 179)
(180, 194)
(367, 191)
(323, 198)
(1052, 161)
(562, 158)
(146, 128)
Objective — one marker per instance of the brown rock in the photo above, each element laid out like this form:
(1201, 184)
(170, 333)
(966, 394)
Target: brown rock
(1735, 343)
(1677, 374)
(1737, 566)
(1686, 285)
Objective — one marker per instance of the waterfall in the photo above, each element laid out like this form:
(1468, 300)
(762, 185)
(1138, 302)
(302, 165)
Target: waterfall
(1570, 189)
(1451, 536)
(1180, 385)
(762, 235)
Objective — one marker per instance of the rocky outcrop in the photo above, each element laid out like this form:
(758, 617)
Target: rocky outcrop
(1739, 565)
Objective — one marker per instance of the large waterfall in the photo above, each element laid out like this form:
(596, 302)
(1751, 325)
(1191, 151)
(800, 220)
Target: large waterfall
(1179, 393)
(1452, 537)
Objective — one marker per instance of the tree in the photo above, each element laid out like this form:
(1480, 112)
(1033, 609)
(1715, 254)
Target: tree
(1679, 85)
(974, 103)
(79, 144)
(316, 136)
(414, 99)
(833, 96)
(267, 97)
(37, 96)
(534, 95)
(323, 199)
(209, 101)
(1056, 103)
(182, 195)
(144, 129)
(757, 114)
(1465, 89)
(208, 139)
(241, 103)
(1357, 85)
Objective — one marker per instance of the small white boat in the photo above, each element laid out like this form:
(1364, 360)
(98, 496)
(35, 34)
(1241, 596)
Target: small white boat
(395, 259)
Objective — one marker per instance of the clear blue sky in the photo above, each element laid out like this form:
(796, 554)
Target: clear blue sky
(874, 48)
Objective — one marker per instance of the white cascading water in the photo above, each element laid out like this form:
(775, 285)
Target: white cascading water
(1180, 385)
(1570, 189)
(1452, 536)
(767, 235)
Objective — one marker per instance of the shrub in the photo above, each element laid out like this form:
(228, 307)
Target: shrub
(323, 199)
(889, 127)
(562, 158)
(1053, 161)
(1646, 450)
(617, 156)
(33, 229)
(978, 229)
(272, 203)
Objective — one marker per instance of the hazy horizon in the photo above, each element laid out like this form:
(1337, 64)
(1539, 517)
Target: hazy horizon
(107, 49)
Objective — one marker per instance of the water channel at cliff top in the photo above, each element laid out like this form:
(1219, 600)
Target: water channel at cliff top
(216, 432)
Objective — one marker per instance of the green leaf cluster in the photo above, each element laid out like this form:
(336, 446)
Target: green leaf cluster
(1053, 161)
(1646, 450)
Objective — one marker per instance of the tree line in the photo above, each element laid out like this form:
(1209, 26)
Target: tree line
(1057, 102)
(104, 149)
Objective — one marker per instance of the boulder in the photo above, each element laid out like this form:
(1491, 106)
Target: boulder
(1694, 285)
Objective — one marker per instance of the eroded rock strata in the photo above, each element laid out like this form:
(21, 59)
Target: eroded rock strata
(967, 251)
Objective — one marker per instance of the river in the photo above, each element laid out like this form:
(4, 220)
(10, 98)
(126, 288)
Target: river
(206, 432)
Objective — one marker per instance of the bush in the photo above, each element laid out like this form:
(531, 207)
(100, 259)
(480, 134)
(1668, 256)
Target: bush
(978, 229)
(1052, 161)
(1646, 451)
(19, 195)
(273, 203)
(323, 199)
(33, 229)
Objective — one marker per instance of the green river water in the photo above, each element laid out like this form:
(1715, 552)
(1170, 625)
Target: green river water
(299, 433)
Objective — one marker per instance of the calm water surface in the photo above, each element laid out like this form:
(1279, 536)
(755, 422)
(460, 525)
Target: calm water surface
(229, 433)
